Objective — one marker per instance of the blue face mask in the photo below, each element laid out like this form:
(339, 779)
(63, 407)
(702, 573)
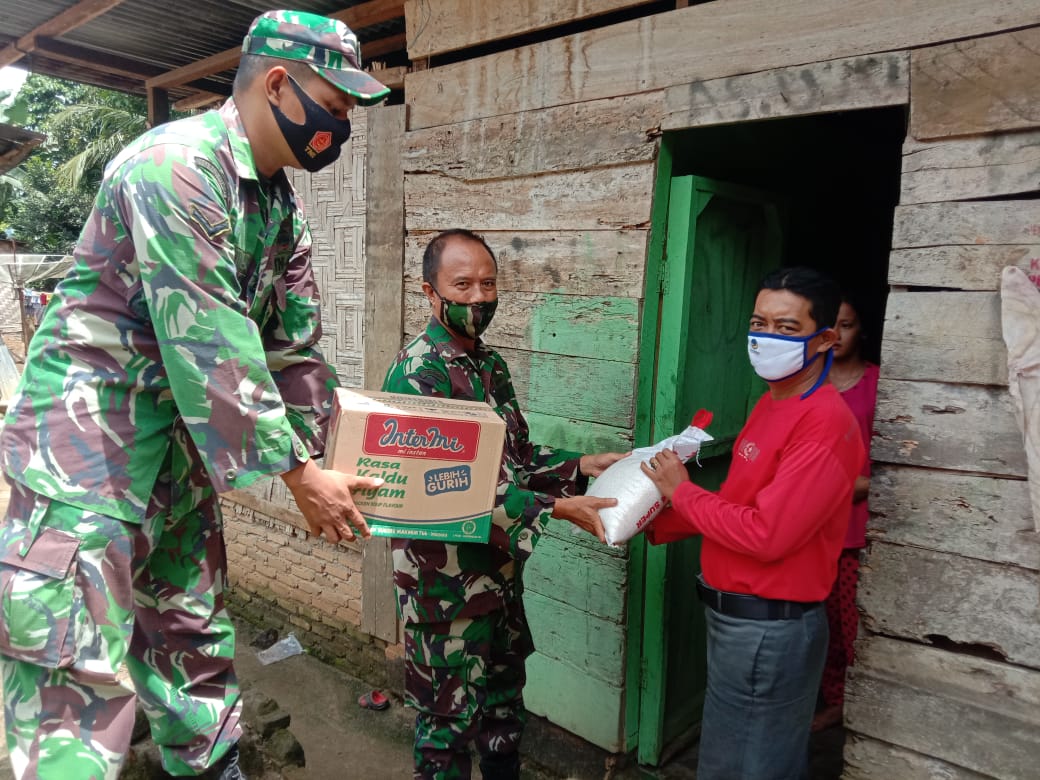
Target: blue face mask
(776, 358)
(316, 143)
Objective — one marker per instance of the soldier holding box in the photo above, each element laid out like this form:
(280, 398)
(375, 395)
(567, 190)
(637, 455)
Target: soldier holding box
(179, 361)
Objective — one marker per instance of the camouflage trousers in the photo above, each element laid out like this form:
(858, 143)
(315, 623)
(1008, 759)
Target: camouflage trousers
(82, 593)
(465, 679)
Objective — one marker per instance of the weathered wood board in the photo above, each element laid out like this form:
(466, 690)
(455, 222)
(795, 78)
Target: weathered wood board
(705, 41)
(602, 198)
(965, 711)
(578, 435)
(870, 81)
(871, 759)
(917, 594)
(382, 321)
(557, 690)
(593, 327)
(601, 391)
(588, 262)
(976, 86)
(944, 337)
(594, 580)
(562, 138)
(384, 242)
(942, 224)
(944, 426)
(974, 267)
(593, 645)
(983, 166)
(977, 517)
(438, 26)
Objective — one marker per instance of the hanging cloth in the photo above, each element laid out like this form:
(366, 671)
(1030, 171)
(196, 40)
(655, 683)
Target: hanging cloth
(1020, 314)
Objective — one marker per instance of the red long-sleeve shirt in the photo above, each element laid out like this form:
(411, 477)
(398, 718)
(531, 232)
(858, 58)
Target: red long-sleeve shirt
(776, 527)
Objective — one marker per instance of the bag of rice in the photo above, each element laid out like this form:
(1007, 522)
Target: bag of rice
(639, 500)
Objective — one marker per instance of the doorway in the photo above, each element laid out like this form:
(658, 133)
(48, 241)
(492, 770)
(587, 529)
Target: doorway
(732, 203)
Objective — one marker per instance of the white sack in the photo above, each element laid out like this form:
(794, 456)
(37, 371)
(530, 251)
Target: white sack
(639, 500)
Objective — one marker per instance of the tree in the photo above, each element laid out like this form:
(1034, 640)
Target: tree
(110, 128)
(85, 127)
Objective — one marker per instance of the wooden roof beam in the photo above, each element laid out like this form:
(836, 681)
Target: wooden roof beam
(207, 66)
(380, 46)
(198, 100)
(373, 12)
(69, 19)
(358, 17)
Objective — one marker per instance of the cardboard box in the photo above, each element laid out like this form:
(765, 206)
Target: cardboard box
(440, 459)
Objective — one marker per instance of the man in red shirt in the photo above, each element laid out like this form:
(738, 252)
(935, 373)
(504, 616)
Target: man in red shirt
(772, 537)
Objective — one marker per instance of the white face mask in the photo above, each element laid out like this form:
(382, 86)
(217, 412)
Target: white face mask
(776, 357)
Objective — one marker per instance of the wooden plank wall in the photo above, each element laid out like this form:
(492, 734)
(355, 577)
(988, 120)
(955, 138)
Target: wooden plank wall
(433, 26)
(549, 149)
(949, 590)
(563, 196)
(690, 45)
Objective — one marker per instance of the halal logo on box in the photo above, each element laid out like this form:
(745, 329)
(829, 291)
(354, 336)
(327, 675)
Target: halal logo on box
(423, 437)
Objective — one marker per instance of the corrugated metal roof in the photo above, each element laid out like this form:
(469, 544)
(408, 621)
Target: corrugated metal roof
(155, 35)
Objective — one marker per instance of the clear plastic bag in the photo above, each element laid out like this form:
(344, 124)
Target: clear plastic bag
(280, 650)
(639, 500)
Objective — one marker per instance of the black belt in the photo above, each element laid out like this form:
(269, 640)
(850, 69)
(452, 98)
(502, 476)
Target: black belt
(742, 605)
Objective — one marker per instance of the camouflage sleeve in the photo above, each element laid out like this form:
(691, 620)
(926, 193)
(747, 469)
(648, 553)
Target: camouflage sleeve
(520, 515)
(210, 349)
(304, 379)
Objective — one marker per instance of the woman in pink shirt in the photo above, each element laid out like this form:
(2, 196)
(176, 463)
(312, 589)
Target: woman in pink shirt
(856, 379)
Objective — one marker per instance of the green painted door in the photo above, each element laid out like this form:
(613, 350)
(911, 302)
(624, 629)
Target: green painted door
(720, 240)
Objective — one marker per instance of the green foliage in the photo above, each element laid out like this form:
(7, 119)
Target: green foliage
(85, 127)
(12, 110)
(109, 128)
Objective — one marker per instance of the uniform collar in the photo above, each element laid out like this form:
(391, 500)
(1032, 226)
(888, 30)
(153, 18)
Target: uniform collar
(448, 346)
(242, 155)
(241, 152)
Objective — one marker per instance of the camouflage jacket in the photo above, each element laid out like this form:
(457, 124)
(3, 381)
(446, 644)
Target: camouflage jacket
(437, 581)
(192, 299)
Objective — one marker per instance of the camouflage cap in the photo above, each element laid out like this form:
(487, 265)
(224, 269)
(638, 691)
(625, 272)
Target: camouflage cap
(328, 45)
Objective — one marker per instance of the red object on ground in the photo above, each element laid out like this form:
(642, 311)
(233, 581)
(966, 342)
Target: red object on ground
(373, 700)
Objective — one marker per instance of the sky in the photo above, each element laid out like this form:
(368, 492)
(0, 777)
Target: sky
(11, 78)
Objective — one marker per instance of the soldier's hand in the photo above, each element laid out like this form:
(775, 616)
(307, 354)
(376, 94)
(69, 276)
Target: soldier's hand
(325, 500)
(594, 465)
(583, 511)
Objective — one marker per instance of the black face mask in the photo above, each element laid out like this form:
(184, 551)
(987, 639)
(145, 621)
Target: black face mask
(316, 143)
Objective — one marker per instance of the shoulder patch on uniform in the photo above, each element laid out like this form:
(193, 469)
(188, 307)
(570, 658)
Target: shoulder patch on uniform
(211, 229)
(219, 177)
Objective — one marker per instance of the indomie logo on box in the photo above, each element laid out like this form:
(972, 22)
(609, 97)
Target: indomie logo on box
(426, 437)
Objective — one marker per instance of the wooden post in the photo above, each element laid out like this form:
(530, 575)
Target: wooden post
(383, 324)
(21, 318)
(158, 106)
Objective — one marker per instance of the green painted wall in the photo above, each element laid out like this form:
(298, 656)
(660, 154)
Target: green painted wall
(575, 587)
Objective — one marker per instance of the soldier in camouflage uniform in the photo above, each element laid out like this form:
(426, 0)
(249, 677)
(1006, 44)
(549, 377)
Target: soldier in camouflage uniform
(466, 635)
(177, 361)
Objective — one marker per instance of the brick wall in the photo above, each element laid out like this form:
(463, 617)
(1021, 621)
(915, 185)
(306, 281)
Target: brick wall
(281, 578)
